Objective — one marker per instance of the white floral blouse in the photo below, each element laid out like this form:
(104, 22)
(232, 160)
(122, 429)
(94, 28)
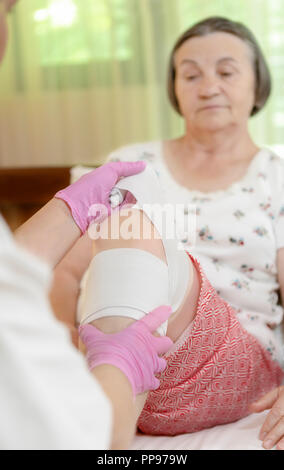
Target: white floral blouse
(238, 233)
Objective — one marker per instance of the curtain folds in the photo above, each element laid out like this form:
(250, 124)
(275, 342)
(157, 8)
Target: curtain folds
(83, 77)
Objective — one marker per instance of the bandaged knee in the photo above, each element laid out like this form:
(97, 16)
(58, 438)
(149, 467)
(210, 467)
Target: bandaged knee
(130, 282)
(124, 282)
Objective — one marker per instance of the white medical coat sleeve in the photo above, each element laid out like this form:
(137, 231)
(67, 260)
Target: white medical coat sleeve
(48, 398)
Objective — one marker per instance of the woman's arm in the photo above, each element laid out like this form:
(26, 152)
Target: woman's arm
(272, 430)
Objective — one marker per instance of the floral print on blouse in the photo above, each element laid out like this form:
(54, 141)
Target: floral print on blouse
(238, 232)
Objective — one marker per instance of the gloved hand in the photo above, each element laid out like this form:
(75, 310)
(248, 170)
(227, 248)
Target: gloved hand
(94, 189)
(134, 350)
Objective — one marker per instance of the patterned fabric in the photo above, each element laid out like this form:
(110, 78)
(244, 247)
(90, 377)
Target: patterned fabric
(214, 371)
(238, 232)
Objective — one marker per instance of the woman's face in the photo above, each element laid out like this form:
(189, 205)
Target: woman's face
(215, 84)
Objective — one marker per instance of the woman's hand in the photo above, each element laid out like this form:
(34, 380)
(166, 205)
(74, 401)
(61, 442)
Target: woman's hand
(272, 430)
(88, 198)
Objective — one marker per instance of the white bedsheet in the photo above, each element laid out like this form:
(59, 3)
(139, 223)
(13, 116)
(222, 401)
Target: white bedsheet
(240, 435)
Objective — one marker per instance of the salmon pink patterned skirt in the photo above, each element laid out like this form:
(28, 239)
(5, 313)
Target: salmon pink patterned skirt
(214, 371)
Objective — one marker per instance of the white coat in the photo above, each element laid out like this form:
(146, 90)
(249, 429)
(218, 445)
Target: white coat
(48, 398)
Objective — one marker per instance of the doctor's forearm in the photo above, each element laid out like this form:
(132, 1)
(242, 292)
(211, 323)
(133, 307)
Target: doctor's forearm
(125, 411)
(50, 233)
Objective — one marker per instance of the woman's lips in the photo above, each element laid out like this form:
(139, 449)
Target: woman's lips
(214, 106)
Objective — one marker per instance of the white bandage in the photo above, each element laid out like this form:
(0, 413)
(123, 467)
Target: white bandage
(124, 282)
(130, 282)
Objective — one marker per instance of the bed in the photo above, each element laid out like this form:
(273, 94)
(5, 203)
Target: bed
(240, 435)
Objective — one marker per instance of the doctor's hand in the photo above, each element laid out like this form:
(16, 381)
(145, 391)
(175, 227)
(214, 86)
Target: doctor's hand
(93, 189)
(272, 430)
(134, 350)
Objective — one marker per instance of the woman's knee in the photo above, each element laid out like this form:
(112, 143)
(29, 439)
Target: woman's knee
(135, 230)
(127, 229)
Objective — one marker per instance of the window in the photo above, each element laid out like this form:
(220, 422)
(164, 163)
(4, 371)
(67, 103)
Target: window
(79, 41)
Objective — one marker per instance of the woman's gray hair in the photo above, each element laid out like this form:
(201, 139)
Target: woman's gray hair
(219, 24)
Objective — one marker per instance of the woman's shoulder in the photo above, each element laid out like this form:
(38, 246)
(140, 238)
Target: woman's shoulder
(271, 168)
(273, 161)
(149, 151)
(273, 155)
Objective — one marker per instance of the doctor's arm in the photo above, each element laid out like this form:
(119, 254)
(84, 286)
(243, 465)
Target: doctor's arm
(54, 229)
(50, 233)
(129, 360)
(46, 379)
(272, 430)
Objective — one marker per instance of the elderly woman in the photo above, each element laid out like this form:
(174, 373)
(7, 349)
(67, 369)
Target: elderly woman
(225, 354)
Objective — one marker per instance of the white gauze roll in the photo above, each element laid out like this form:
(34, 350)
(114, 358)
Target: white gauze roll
(124, 282)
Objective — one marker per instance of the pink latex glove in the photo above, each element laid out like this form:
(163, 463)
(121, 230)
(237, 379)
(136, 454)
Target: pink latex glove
(134, 350)
(93, 189)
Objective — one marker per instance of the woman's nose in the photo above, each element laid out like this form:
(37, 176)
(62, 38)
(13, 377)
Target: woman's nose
(208, 86)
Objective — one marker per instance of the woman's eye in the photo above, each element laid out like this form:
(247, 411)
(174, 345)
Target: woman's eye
(191, 77)
(225, 74)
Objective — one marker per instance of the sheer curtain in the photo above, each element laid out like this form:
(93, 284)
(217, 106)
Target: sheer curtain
(83, 77)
